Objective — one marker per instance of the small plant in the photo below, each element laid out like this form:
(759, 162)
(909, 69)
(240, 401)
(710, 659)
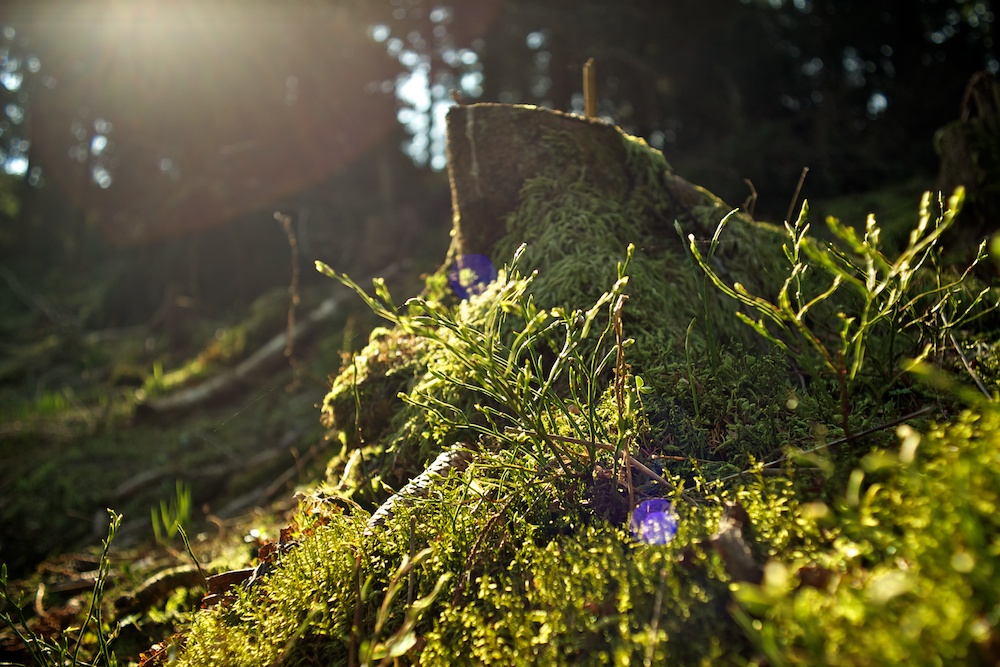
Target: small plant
(49, 653)
(534, 371)
(910, 574)
(172, 515)
(880, 301)
(404, 639)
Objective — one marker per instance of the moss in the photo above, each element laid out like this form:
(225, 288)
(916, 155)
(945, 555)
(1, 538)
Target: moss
(586, 201)
(521, 615)
(371, 381)
(310, 595)
(909, 559)
(880, 573)
(529, 559)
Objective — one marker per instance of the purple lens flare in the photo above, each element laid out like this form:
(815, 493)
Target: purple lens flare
(654, 522)
(471, 274)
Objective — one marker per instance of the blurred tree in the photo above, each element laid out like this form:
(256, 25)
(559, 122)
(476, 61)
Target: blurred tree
(163, 118)
(175, 117)
(757, 89)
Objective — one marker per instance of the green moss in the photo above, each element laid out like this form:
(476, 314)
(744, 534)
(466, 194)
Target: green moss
(910, 560)
(522, 615)
(311, 595)
(528, 560)
(370, 382)
(882, 572)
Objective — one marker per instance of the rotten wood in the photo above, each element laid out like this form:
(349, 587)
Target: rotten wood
(493, 149)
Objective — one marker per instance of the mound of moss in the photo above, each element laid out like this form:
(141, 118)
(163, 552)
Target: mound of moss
(604, 336)
(578, 193)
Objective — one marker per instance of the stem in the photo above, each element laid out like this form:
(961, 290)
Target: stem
(845, 399)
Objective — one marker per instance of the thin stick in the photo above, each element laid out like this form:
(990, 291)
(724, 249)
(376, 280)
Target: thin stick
(795, 197)
(621, 372)
(413, 551)
(654, 626)
(293, 289)
(750, 202)
(190, 552)
(965, 361)
(352, 641)
(590, 88)
(834, 443)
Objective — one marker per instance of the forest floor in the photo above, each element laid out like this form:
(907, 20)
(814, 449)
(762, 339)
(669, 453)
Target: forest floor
(81, 434)
(77, 438)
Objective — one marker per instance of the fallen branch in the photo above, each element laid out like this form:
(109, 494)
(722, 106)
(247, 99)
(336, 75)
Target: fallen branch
(242, 375)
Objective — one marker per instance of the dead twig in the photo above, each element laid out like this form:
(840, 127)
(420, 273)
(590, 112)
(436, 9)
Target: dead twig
(590, 89)
(795, 196)
(965, 361)
(621, 374)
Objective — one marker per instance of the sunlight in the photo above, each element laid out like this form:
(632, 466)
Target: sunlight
(237, 106)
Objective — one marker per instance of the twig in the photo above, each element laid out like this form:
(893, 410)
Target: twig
(293, 288)
(190, 552)
(40, 599)
(654, 625)
(621, 373)
(352, 642)
(795, 197)
(590, 89)
(751, 201)
(965, 360)
(834, 443)
(413, 550)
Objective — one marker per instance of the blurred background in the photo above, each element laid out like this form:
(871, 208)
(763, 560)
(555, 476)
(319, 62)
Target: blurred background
(157, 139)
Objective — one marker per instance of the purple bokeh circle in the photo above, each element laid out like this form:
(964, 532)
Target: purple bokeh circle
(471, 274)
(654, 522)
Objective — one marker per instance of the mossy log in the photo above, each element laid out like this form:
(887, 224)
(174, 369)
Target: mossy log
(577, 192)
(249, 372)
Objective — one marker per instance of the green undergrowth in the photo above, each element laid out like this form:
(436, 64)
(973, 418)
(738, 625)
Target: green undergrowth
(898, 567)
(71, 443)
(831, 508)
